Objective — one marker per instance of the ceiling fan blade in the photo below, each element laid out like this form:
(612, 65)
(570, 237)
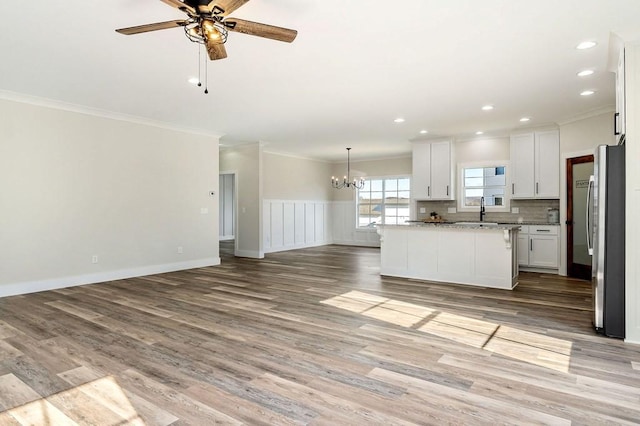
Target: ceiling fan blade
(216, 51)
(152, 27)
(227, 6)
(260, 30)
(179, 5)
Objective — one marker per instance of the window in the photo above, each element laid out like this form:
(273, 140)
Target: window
(487, 182)
(384, 200)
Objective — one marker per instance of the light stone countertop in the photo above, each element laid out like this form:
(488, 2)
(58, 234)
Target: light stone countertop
(453, 225)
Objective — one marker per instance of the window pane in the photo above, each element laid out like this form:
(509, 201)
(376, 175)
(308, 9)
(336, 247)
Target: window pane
(391, 184)
(391, 198)
(487, 182)
(376, 197)
(404, 184)
(384, 201)
(473, 181)
(468, 173)
(364, 195)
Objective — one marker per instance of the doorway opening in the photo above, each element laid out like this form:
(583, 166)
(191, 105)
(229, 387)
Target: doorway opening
(227, 226)
(579, 169)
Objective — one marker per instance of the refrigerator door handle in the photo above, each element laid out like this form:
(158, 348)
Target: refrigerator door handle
(588, 214)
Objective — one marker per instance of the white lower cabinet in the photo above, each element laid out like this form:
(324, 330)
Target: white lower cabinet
(538, 246)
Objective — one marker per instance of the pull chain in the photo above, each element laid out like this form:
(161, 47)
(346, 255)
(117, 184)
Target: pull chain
(206, 77)
(199, 66)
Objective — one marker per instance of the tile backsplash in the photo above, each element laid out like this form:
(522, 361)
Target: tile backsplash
(530, 211)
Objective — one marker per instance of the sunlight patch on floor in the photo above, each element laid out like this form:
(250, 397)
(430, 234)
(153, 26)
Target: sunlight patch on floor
(533, 348)
(102, 397)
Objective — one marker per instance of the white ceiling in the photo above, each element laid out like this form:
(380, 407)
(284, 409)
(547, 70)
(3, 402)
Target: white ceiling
(354, 68)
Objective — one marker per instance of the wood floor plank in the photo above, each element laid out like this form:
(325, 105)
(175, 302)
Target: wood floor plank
(313, 336)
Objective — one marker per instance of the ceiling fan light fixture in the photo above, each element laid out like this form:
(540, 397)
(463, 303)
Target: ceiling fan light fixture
(213, 32)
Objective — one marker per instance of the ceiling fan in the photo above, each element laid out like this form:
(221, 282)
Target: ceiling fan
(207, 24)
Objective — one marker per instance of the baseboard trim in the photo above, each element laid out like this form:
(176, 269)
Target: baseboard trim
(297, 247)
(357, 243)
(253, 254)
(26, 287)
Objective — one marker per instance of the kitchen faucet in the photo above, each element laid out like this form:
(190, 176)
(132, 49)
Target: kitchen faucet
(482, 213)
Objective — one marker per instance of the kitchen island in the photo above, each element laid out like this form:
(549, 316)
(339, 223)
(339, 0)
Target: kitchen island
(473, 254)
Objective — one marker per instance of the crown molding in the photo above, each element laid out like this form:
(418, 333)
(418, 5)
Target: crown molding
(96, 112)
(589, 114)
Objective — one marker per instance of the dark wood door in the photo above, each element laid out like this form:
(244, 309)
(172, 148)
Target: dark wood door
(578, 259)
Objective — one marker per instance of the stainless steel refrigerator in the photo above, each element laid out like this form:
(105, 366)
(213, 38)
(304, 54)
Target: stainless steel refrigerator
(605, 223)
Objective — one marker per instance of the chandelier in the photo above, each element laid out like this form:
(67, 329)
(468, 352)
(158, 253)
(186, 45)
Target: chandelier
(346, 182)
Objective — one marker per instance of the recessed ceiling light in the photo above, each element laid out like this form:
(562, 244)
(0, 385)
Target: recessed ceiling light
(399, 120)
(479, 132)
(524, 119)
(487, 107)
(585, 73)
(586, 45)
(587, 93)
(424, 132)
(194, 80)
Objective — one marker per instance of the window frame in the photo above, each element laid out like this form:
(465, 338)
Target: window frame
(384, 191)
(484, 164)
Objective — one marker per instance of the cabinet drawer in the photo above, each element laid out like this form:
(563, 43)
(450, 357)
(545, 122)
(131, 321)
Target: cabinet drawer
(543, 229)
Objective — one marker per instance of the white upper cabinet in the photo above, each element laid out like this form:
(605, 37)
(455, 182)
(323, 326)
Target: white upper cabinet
(522, 170)
(421, 171)
(432, 171)
(547, 164)
(535, 165)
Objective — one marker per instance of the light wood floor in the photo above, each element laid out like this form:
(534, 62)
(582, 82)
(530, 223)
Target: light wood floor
(311, 336)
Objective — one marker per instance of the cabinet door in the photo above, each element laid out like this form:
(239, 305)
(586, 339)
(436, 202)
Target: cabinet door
(441, 185)
(522, 170)
(547, 164)
(543, 251)
(523, 249)
(421, 172)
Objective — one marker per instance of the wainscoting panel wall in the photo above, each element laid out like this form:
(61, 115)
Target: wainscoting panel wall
(292, 224)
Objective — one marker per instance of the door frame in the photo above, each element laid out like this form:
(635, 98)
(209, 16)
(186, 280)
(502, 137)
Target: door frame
(573, 269)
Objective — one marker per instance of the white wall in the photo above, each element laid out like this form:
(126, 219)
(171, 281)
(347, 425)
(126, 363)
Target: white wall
(74, 186)
(578, 138)
(295, 178)
(246, 163)
(632, 230)
(482, 149)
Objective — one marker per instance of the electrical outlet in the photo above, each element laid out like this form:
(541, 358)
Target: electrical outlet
(423, 210)
(451, 210)
(515, 209)
(94, 258)
(180, 251)
(204, 210)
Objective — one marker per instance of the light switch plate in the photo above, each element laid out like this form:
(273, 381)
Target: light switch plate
(451, 210)
(515, 209)
(204, 210)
